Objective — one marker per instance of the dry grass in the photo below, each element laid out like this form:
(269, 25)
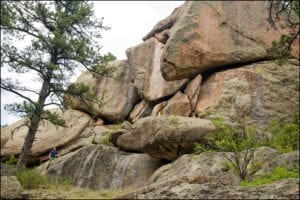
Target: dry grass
(73, 193)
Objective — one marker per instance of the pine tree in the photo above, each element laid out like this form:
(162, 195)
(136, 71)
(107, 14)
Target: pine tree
(63, 35)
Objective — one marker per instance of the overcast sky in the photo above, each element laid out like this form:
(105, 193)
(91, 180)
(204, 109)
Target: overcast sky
(130, 21)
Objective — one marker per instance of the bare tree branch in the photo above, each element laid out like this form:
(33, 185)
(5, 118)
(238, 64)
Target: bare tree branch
(10, 89)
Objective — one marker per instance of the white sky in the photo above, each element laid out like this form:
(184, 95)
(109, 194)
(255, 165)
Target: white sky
(130, 21)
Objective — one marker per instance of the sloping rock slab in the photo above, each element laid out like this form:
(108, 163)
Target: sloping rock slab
(205, 177)
(103, 167)
(282, 189)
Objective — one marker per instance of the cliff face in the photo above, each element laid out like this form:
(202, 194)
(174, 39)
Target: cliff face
(206, 60)
(200, 38)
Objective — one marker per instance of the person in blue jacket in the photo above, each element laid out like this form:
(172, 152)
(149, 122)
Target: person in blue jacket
(52, 155)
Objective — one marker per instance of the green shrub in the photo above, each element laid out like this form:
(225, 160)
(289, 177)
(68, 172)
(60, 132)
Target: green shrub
(106, 139)
(200, 148)
(277, 174)
(12, 160)
(285, 135)
(31, 179)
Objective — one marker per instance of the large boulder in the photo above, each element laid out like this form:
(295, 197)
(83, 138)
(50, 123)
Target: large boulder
(203, 35)
(161, 31)
(10, 187)
(260, 91)
(144, 59)
(48, 135)
(164, 136)
(103, 167)
(115, 95)
(7, 170)
(203, 168)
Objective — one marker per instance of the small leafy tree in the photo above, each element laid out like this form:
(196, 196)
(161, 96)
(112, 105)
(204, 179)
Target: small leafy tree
(63, 35)
(237, 143)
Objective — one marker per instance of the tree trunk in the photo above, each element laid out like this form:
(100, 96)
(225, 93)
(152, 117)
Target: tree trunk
(26, 149)
(34, 121)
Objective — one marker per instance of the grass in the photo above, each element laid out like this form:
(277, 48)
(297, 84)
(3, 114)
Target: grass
(74, 193)
(105, 139)
(285, 135)
(32, 179)
(37, 186)
(277, 174)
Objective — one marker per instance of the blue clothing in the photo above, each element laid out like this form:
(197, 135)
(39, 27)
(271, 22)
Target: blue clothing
(53, 153)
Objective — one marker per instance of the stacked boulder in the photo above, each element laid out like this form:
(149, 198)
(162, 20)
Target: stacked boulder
(187, 62)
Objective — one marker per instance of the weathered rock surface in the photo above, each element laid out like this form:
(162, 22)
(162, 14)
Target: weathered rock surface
(163, 26)
(193, 90)
(47, 135)
(142, 109)
(99, 167)
(158, 108)
(203, 168)
(288, 160)
(144, 60)
(10, 187)
(178, 105)
(260, 91)
(165, 136)
(265, 154)
(115, 96)
(282, 189)
(205, 177)
(92, 134)
(7, 170)
(209, 34)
